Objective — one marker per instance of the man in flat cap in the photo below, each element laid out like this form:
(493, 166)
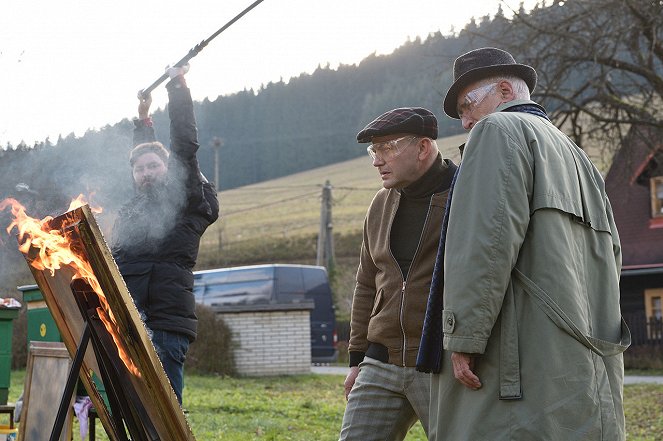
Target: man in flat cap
(530, 318)
(386, 396)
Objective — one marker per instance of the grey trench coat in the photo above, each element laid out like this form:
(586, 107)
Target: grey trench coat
(532, 288)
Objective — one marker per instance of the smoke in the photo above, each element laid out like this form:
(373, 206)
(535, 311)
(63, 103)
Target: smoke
(46, 177)
(144, 223)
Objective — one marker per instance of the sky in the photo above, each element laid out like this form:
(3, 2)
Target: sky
(70, 65)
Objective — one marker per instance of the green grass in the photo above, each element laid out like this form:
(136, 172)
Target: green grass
(642, 406)
(310, 407)
(303, 408)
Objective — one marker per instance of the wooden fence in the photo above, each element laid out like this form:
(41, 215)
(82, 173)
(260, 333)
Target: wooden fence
(645, 330)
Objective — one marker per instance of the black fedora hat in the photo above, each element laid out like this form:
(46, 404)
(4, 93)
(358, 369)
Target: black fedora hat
(483, 63)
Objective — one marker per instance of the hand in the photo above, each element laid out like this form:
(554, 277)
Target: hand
(174, 71)
(144, 106)
(463, 370)
(350, 380)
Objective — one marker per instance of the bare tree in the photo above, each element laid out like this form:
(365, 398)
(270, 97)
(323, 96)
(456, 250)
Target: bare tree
(600, 64)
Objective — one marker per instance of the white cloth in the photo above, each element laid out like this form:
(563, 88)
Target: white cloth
(81, 408)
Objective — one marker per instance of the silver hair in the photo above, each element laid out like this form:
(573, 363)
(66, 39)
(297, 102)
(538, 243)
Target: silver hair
(520, 88)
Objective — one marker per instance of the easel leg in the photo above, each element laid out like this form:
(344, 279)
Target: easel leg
(71, 384)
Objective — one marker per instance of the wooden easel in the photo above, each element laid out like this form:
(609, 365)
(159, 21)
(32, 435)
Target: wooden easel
(142, 405)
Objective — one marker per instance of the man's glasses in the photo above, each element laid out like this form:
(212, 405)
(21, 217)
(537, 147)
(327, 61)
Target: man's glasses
(474, 98)
(388, 150)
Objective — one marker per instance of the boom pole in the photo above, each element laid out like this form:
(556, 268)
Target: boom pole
(197, 48)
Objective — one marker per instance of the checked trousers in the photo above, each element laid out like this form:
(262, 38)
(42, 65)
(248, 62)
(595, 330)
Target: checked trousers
(385, 402)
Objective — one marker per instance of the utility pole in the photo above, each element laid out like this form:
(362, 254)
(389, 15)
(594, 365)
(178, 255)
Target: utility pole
(325, 254)
(217, 143)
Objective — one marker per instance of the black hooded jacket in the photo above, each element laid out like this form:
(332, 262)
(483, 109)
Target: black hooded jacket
(156, 235)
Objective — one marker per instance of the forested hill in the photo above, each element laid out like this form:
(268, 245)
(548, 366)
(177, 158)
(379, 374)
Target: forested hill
(312, 120)
(282, 128)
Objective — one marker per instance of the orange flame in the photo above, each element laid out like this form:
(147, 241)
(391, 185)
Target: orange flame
(55, 252)
(80, 200)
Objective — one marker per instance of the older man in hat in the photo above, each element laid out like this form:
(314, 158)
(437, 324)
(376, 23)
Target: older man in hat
(530, 316)
(385, 394)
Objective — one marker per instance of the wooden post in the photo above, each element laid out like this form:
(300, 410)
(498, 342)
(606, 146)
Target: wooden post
(218, 143)
(325, 251)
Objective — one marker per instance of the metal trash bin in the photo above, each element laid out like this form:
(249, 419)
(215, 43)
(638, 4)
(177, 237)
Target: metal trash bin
(41, 326)
(7, 316)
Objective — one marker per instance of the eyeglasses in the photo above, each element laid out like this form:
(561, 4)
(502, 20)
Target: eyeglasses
(388, 150)
(473, 98)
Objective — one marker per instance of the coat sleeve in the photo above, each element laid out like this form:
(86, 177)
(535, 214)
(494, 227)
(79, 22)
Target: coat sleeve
(200, 194)
(143, 133)
(488, 218)
(362, 303)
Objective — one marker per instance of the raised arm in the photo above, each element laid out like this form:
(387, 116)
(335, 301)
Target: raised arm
(143, 130)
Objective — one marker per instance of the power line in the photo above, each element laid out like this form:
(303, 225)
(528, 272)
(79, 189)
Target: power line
(285, 187)
(356, 188)
(276, 187)
(302, 196)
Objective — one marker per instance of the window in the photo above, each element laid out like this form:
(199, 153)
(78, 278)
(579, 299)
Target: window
(654, 312)
(656, 186)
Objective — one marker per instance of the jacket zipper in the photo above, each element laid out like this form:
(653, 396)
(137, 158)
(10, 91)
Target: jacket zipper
(400, 314)
(402, 321)
(414, 258)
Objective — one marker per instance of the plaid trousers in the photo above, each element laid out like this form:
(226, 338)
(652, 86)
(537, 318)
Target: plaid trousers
(385, 402)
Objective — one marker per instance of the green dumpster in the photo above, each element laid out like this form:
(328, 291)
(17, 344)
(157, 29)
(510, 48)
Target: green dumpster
(7, 315)
(42, 327)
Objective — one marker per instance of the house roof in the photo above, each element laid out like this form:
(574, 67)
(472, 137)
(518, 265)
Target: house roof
(627, 185)
(642, 270)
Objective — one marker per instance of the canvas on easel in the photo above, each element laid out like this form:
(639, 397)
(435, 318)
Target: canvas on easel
(94, 312)
(45, 378)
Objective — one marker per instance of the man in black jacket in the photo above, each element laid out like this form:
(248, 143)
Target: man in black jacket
(157, 233)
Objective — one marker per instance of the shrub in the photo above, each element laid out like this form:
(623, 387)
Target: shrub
(643, 357)
(211, 353)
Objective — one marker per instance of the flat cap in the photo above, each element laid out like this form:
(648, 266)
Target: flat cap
(413, 120)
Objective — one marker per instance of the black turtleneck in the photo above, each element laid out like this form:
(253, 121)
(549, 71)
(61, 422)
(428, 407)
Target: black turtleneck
(413, 209)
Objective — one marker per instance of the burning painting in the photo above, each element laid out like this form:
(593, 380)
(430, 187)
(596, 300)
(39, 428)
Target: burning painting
(89, 301)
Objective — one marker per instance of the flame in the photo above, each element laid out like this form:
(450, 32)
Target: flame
(55, 252)
(80, 200)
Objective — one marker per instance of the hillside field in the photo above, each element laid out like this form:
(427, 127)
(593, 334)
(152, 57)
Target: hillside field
(289, 207)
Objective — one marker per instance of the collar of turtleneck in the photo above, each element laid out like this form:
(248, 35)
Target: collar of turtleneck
(436, 179)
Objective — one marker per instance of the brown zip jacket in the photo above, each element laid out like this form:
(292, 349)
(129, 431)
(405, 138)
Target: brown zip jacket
(386, 309)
